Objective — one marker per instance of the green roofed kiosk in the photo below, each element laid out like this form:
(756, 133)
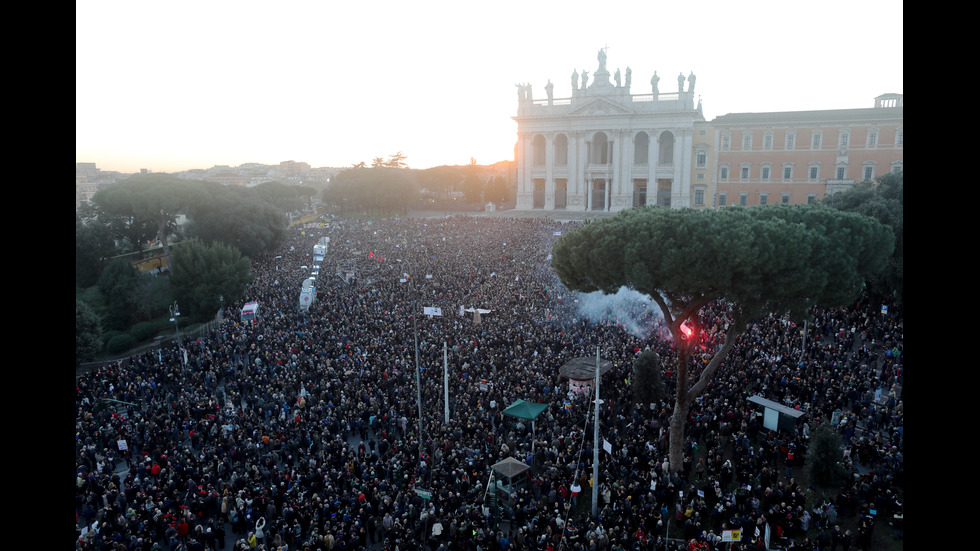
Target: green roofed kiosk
(527, 410)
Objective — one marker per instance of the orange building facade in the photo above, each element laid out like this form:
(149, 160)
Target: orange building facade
(801, 156)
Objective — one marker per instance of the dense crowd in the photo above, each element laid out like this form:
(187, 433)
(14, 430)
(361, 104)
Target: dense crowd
(300, 430)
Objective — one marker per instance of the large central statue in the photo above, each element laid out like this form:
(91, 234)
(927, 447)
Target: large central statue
(602, 60)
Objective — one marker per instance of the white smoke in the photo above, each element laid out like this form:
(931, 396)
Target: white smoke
(635, 311)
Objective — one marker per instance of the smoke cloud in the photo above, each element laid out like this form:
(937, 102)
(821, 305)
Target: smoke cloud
(635, 311)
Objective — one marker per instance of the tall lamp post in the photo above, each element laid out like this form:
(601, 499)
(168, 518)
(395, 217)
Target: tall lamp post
(418, 372)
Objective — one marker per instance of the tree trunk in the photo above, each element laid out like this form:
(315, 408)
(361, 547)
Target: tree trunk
(686, 393)
(682, 405)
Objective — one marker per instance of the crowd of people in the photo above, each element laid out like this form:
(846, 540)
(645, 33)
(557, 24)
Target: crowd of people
(302, 430)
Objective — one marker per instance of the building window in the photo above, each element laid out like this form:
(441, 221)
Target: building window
(743, 199)
(666, 149)
(763, 198)
(746, 141)
(745, 173)
(767, 141)
(700, 175)
(722, 199)
(702, 159)
(788, 172)
(841, 172)
(869, 173)
(900, 136)
(537, 145)
(702, 132)
(785, 198)
(699, 197)
(724, 173)
(765, 173)
(790, 140)
(814, 172)
(561, 150)
(845, 136)
(811, 198)
(600, 149)
(726, 141)
(872, 137)
(816, 139)
(641, 149)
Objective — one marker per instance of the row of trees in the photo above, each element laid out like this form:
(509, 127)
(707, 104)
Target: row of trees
(126, 217)
(390, 187)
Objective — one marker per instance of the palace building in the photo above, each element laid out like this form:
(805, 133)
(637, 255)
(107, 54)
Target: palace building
(608, 149)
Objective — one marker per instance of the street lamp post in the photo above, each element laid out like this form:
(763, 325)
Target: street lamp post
(418, 372)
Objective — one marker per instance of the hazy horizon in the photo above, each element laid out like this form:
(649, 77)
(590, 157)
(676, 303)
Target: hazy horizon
(179, 86)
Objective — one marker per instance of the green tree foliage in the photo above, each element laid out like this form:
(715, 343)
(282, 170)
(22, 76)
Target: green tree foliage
(119, 285)
(498, 190)
(285, 197)
(374, 190)
(238, 217)
(883, 200)
(825, 457)
(88, 333)
(94, 245)
(441, 180)
(204, 274)
(647, 386)
(775, 258)
(150, 198)
(396, 161)
(472, 186)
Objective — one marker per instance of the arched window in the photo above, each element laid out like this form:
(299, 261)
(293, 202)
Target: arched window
(600, 149)
(537, 146)
(666, 148)
(561, 150)
(641, 149)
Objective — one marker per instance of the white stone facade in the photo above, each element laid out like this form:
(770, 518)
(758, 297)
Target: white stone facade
(605, 148)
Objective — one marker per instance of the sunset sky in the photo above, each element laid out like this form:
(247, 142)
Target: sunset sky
(171, 86)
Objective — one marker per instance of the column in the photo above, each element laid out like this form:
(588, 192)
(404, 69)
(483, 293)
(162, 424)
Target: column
(549, 177)
(525, 189)
(573, 172)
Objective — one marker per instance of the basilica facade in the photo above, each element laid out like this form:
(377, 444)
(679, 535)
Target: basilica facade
(606, 148)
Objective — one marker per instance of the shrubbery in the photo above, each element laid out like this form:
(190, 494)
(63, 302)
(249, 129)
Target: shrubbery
(119, 343)
(144, 330)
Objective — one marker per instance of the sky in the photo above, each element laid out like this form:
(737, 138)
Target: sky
(179, 85)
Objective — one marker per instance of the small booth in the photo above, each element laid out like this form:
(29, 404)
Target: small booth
(508, 477)
(581, 372)
(776, 416)
(250, 311)
(527, 410)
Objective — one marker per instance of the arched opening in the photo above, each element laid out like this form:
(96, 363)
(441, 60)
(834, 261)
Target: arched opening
(641, 149)
(600, 149)
(561, 150)
(537, 150)
(666, 156)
